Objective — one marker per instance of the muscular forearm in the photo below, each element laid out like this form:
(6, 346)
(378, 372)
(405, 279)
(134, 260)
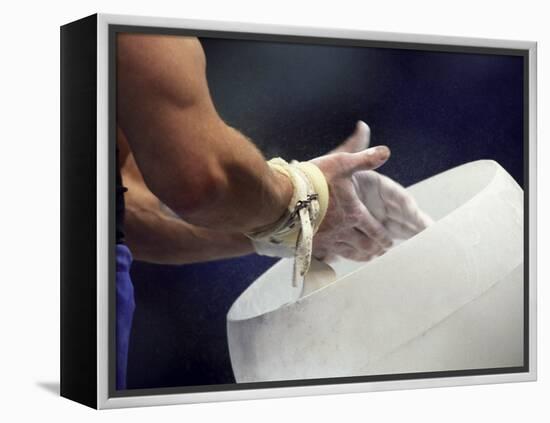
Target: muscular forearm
(225, 185)
(249, 195)
(155, 237)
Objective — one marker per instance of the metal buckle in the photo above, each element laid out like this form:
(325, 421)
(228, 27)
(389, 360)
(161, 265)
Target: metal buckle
(302, 204)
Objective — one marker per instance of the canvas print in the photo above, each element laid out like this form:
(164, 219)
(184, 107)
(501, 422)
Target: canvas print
(298, 211)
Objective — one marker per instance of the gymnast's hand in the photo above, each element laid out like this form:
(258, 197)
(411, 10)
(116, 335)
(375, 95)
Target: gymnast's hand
(367, 210)
(349, 229)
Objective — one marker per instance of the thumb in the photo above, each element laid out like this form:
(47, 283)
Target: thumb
(357, 141)
(369, 159)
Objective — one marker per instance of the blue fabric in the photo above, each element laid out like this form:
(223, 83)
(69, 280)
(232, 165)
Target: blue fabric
(125, 306)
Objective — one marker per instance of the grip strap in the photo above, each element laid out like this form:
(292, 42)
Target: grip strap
(292, 235)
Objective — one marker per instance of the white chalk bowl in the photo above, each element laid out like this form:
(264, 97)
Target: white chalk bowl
(450, 298)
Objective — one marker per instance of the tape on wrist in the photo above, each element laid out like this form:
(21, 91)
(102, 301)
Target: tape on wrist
(292, 235)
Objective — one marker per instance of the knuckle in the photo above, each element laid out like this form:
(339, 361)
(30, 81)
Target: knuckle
(366, 244)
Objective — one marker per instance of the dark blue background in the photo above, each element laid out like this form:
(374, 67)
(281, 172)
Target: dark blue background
(435, 110)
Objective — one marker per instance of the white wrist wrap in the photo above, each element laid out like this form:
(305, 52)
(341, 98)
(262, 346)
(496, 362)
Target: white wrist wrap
(292, 235)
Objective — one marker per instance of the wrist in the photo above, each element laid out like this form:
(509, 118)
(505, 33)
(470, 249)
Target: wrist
(284, 191)
(281, 189)
(292, 234)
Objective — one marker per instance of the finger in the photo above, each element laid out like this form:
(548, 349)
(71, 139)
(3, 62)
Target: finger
(368, 224)
(369, 159)
(319, 253)
(329, 258)
(351, 249)
(400, 230)
(413, 215)
(344, 249)
(356, 255)
(401, 205)
(425, 219)
(341, 247)
(381, 253)
(362, 243)
(350, 252)
(358, 141)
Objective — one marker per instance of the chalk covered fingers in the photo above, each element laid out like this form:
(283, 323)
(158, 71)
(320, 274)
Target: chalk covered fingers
(391, 204)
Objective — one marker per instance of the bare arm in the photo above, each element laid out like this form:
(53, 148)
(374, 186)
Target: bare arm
(155, 236)
(204, 170)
